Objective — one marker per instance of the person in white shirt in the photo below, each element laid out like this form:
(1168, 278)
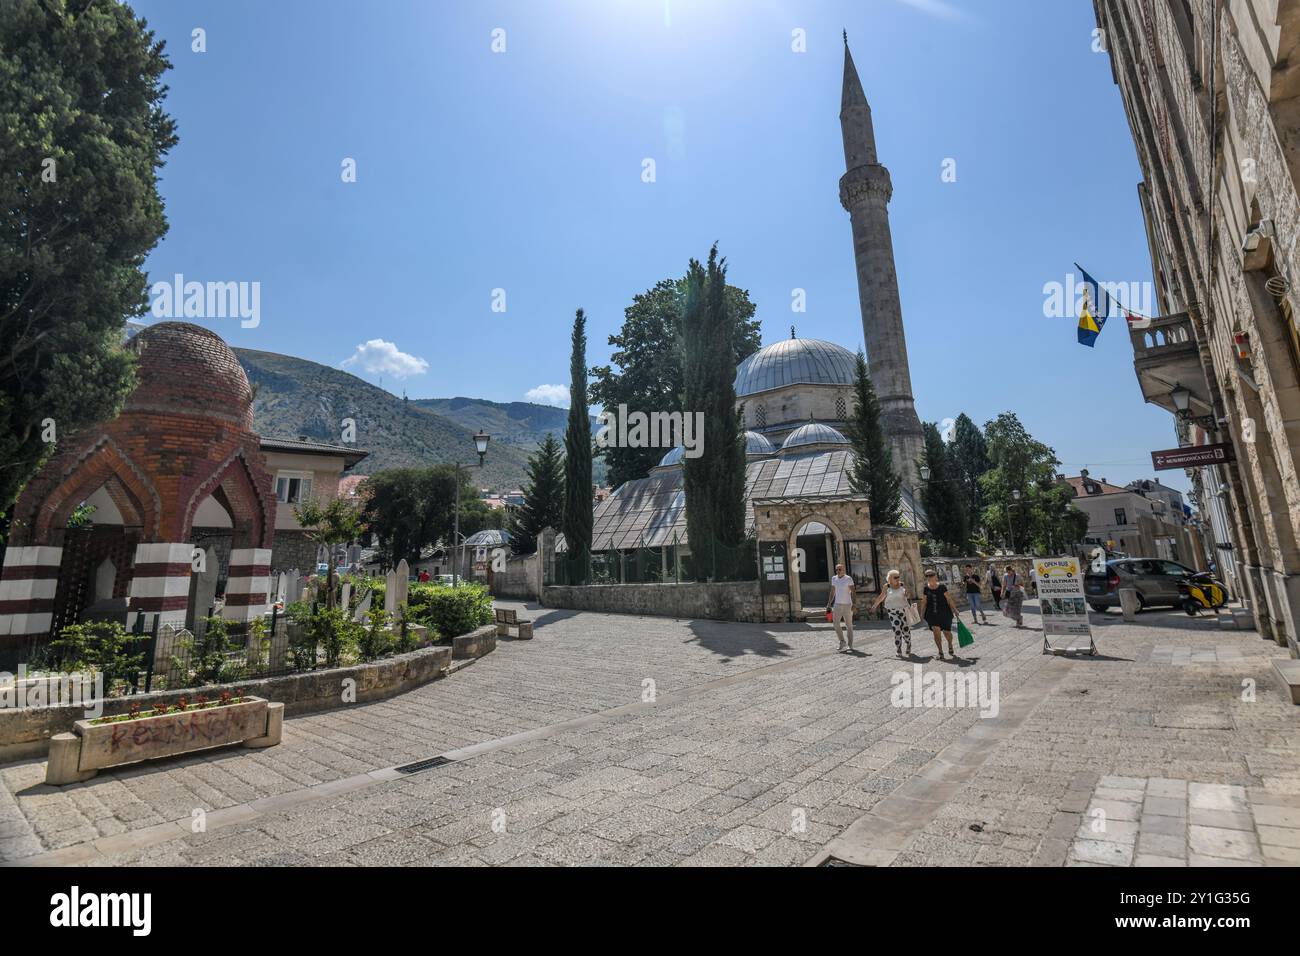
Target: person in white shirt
(894, 597)
(842, 610)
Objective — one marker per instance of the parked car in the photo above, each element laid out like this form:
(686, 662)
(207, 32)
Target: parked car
(1155, 580)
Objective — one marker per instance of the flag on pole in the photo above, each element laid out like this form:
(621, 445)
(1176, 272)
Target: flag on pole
(1097, 307)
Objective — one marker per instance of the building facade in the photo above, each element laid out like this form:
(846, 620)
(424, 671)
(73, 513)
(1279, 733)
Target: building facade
(1210, 88)
(1142, 519)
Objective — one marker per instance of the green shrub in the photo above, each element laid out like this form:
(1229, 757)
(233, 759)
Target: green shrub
(374, 641)
(336, 634)
(103, 646)
(405, 636)
(450, 611)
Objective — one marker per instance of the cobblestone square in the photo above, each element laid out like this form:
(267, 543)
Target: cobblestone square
(626, 740)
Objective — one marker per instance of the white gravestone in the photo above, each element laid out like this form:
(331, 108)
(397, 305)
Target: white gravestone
(403, 584)
(390, 593)
(347, 594)
(363, 607)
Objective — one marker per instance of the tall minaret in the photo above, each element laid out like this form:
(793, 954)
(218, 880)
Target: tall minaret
(864, 192)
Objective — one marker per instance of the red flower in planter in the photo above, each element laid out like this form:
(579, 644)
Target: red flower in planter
(227, 698)
(182, 703)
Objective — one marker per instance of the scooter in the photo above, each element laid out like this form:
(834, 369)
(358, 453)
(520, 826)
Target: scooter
(1201, 591)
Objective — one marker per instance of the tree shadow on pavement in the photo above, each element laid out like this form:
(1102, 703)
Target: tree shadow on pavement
(729, 641)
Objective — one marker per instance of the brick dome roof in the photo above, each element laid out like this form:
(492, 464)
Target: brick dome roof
(189, 370)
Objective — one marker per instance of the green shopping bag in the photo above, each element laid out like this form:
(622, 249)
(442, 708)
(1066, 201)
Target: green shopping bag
(964, 637)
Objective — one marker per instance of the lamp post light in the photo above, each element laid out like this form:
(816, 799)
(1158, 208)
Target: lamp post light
(1011, 528)
(480, 445)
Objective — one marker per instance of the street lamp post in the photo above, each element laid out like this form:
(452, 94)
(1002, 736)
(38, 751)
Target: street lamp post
(480, 445)
(1011, 528)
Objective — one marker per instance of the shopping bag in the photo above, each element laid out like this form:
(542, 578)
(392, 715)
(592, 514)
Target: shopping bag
(964, 637)
(913, 615)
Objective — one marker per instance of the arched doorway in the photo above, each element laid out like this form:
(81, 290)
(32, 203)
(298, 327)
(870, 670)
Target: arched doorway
(820, 543)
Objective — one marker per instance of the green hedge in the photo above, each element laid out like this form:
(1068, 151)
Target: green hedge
(450, 611)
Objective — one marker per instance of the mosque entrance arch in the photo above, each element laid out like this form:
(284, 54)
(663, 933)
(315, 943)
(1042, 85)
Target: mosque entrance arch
(815, 546)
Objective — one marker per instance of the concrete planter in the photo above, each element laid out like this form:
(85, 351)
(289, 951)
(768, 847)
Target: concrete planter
(253, 722)
(474, 644)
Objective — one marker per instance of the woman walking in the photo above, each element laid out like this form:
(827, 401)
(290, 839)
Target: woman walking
(894, 597)
(995, 585)
(939, 611)
(1015, 596)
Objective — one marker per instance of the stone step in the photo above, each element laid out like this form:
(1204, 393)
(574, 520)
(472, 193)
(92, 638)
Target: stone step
(1288, 671)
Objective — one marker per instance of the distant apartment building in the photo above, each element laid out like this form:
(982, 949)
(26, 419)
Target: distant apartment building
(302, 470)
(1211, 92)
(1137, 521)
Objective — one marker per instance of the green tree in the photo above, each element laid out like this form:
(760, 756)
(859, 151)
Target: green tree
(649, 359)
(543, 505)
(714, 483)
(871, 472)
(1042, 518)
(970, 455)
(943, 496)
(82, 136)
(578, 508)
(336, 522)
(409, 509)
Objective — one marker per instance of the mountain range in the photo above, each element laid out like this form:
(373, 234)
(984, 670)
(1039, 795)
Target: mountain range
(295, 397)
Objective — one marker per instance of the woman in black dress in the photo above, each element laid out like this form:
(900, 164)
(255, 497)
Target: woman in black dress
(939, 610)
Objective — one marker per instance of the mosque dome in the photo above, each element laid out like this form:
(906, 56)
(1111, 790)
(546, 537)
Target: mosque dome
(814, 433)
(758, 446)
(186, 369)
(674, 457)
(795, 362)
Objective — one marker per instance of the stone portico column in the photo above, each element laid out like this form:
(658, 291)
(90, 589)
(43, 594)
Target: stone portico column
(160, 585)
(27, 585)
(247, 584)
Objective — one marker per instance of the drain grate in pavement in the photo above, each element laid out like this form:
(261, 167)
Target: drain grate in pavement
(427, 764)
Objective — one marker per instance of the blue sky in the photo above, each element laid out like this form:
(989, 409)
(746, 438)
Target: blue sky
(522, 171)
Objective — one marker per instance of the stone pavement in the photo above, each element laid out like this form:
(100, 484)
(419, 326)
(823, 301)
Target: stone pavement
(623, 740)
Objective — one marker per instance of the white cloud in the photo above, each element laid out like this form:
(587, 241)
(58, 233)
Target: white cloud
(549, 395)
(937, 8)
(384, 358)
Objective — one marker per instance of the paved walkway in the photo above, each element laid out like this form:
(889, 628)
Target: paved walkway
(623, 740)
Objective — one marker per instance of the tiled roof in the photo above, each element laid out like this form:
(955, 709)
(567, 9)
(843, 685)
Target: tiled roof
(351, 455)
(650, 512)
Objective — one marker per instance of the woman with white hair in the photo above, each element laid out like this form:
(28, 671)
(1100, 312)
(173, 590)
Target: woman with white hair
(894, 597)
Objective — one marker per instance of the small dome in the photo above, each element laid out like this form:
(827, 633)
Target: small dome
(189, 370)
(814, 433)
(674, 457)
(795, 362)
(757, 446)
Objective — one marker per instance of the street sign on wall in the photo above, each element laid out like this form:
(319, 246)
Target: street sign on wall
(1194, 456)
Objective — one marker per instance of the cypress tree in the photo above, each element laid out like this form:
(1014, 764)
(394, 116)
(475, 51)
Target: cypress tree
(543, 505)
(871, 471)
(577, 456)
(943, 496)
(714, 482)
(971, 455)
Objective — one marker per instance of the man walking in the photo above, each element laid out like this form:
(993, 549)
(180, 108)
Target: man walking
(973, 586)
(842, 590)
